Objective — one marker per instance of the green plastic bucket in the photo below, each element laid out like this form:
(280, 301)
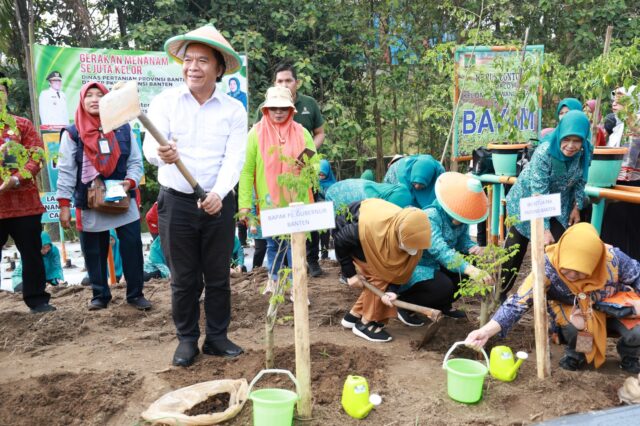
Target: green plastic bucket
(605, 166)
(465, 377)
(273, 407)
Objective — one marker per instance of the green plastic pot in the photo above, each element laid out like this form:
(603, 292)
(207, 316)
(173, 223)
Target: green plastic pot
(605, 166)
(505, 158)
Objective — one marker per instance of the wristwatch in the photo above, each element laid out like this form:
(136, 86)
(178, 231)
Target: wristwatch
(16, 180)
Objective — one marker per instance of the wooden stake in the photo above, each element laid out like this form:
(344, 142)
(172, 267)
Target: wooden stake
(541, 322)
(301, 322)
(112, 266)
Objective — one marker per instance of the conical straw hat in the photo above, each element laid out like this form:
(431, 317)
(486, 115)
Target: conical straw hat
(209, 35)
(462, 197)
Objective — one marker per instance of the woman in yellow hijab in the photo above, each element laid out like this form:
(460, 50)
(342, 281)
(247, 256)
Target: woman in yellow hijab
(384, 242)
(591, 288)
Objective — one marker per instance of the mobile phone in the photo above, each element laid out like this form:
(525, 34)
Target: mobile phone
(308, 152)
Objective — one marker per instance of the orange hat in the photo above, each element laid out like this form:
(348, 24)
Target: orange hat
(462, 197)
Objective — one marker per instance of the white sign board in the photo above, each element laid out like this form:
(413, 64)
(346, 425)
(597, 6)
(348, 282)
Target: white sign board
(540, 206)
(300, 218)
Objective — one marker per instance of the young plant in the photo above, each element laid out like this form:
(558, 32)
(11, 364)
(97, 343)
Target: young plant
(302, 179)
(13, 155)
(490, 261)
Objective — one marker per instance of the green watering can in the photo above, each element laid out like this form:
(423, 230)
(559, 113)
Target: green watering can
(502, 365)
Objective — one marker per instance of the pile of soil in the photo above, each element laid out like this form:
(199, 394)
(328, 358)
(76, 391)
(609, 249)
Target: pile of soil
(89, 397)
(214, 404)
(73, 366)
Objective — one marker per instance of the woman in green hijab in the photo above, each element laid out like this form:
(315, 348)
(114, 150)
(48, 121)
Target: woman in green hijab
(560, 164)
(418, 173)
(349, 191)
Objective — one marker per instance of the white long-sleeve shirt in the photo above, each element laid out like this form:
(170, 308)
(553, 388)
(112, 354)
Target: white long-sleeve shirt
(211, 139)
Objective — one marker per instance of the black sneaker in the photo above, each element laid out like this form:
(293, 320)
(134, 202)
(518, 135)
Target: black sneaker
(372, 332)
(349, 320)
(454, 313)
(409, 318)
(45, 307)
(630, 364)
(571, 363)
(315, 270)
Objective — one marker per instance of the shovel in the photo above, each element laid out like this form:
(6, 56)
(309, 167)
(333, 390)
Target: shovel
(433, 314)
(122, 105)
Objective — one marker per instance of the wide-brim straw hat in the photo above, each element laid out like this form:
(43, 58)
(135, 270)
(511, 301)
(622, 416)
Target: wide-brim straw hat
(210, 36)
(462, 197)
(278, 96)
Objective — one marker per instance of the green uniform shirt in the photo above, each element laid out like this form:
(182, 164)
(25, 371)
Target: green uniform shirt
(308, 114)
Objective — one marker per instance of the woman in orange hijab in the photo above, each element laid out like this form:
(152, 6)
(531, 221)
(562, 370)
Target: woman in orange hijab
(384, 243)
(591, 287)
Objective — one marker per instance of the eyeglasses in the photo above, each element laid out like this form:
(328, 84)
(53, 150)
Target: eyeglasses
(279, 109)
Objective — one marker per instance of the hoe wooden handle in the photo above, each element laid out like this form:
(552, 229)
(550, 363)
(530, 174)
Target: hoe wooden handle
(433, 314)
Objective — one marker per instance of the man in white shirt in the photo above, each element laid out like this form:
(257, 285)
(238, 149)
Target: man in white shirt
(52, 102)
(208, 130)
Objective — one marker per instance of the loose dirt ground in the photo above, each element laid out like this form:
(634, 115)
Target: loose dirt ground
(74, 367)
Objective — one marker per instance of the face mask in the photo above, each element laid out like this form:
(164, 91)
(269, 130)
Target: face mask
(56, 85)
(410, 251)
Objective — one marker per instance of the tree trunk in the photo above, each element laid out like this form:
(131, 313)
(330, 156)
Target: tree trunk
(395, 121)
(122, 22)
(484, 311)
(23, 17)
(378, 122)
(269, 360)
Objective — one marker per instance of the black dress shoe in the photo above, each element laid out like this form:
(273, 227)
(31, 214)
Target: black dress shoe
(225, 348)
(314, 269)
(45, 307)
(140, 303)
(97, 304)
(185, 354)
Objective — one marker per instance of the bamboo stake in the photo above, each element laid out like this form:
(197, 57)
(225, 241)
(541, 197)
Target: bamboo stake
(596, 111)
(540, 319)
(301, 322)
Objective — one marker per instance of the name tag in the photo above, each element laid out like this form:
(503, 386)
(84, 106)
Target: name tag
(104, 146)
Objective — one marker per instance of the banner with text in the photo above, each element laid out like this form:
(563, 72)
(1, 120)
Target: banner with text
(484, 74)
(61, 72)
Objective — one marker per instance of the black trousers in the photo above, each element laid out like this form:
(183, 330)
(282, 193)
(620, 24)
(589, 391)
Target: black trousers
(324, 243)
(242, 233)
(95, 247)
(436, 293)
(511, 268)
(259, 252)
(628, 344)
(25, 231)
(313, 247)
(198, 249)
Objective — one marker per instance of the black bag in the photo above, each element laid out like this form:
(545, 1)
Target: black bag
(614, 309)
(482, 162)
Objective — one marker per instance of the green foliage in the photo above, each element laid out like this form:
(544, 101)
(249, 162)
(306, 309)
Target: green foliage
(490, 261)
